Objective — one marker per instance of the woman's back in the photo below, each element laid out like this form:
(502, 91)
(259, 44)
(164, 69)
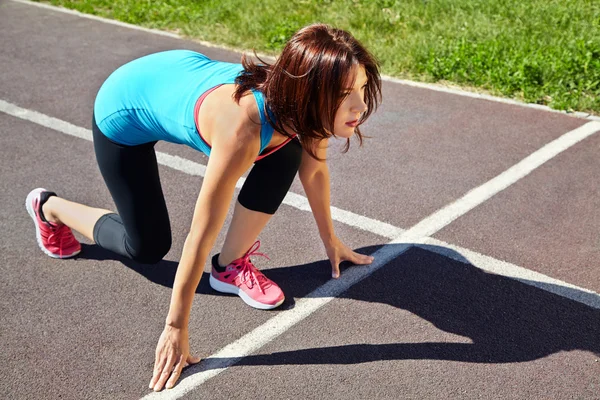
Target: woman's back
(153, 97)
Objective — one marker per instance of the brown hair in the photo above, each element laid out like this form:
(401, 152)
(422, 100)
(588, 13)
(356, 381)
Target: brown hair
(304, 88)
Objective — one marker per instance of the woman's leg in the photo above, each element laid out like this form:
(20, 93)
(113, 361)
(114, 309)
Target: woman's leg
(260, 197)
(262, 194)
(141, 230)
(76, 216)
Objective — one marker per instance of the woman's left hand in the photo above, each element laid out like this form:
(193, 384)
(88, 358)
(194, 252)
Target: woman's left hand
(338, 252)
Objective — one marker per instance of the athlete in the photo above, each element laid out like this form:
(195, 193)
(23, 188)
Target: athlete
(273, 118)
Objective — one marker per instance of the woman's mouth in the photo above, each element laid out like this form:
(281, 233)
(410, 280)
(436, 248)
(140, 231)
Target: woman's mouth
(352, 123)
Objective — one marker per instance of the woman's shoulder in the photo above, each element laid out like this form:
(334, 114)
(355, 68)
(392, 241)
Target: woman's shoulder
(241, 121)
(244, 113)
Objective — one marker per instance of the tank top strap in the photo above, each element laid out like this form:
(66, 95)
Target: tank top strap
(266, 130)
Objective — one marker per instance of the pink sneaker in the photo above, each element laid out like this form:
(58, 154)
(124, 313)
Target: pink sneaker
(242, 278)
(56, 240)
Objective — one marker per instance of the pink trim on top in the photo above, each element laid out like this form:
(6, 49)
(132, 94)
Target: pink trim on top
(260, 157)
(197, 108)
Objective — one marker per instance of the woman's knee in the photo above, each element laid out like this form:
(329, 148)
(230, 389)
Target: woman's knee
(109, 233)
(150, 251)
(271, 178)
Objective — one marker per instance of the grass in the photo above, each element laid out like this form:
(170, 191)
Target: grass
(537, 51)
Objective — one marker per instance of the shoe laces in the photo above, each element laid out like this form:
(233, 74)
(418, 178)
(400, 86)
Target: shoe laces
(249, 273)
(61, 236)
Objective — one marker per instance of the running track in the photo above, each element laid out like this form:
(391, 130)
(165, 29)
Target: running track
(482, 215)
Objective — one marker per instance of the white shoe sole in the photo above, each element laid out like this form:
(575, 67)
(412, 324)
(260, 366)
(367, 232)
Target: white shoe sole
(227, 288)
(38, 234)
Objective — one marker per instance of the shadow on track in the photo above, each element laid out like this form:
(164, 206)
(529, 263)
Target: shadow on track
(506, 320)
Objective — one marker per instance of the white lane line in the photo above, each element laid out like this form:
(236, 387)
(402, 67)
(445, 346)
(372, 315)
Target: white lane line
(274, 327)
(483, 96)
(115, 22)
(270, 330)
(45, 120)
(192, 168)
(357, 221)
(291, 199)
(503, 268)
(423, 85)
(475, 197)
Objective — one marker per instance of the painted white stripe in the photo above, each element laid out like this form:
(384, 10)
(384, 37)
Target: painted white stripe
(503, 268)
(181, 164)
(270, 330)
(196, 169)
(358, 221)
(429, 86)
(100, 19)
(45, 120)
(475, 197)
(135, 27)
(283, 321)
(483, 96)
(274, 327)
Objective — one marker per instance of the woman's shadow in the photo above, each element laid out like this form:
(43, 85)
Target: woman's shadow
(506, 320)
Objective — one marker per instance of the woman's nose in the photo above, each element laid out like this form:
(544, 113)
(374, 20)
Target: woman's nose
(360, 106)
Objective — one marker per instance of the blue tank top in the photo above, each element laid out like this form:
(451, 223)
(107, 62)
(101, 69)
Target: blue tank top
(153, 98)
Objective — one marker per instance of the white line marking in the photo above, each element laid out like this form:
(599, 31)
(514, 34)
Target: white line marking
(181, 164)
(417, 235)
(475, 197)
(45, 120)
(101, 19)
(291, 199)
(266, 57)
(171, 35)
(358, 221)
(270, 330)
(196, 169)
(482, 96)
(503, 268)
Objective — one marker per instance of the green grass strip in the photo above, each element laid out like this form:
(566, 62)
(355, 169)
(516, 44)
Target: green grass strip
(537, 51)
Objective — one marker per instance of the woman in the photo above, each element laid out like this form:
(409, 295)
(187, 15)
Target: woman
(278, 117)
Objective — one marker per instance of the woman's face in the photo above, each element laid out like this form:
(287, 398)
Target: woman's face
(353, 106)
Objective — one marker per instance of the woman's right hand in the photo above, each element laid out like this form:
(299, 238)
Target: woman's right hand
(172, 355)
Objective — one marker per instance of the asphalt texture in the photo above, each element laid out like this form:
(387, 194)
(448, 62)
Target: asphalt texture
(424, 326)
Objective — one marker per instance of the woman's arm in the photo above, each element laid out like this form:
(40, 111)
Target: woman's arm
(233, 152)
(229, 159)
(314, 176)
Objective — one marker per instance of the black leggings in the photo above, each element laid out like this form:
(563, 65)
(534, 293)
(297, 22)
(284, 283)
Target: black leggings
(141, 230)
